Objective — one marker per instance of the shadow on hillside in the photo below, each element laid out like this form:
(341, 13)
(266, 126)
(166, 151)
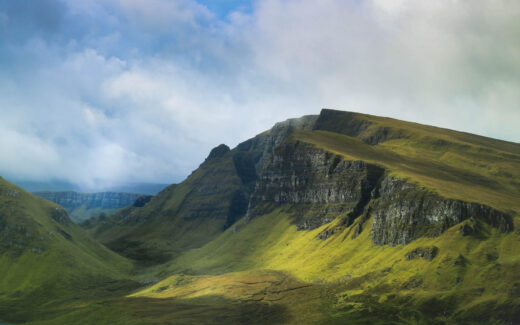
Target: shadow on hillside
(211, 309)
(208, 310)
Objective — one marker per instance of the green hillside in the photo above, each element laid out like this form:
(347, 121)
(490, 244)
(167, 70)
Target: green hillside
(46, 260)
(341, 218)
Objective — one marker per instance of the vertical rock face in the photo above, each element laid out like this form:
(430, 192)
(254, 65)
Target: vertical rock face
(301, 174)
(405, 212)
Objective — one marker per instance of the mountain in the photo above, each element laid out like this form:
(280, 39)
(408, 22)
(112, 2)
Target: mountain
(47, 261)
(82, 206)
(337, 218)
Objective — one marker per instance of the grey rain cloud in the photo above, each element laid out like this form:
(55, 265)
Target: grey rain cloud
(106, 92)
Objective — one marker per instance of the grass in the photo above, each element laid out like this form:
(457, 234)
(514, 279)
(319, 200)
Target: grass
(82, 212)
(44, 261)
(364, 272)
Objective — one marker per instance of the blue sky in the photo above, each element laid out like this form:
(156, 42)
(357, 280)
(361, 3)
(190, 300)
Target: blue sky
(99, 93)
(223, 7)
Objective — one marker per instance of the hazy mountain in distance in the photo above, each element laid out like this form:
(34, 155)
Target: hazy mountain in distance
(58, 185)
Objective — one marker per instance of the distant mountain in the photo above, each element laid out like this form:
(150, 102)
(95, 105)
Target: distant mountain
(82, 206)
(57, 185)
(144, 188)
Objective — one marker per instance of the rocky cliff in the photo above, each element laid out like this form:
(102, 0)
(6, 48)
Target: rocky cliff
(405, 212)
(322, 186)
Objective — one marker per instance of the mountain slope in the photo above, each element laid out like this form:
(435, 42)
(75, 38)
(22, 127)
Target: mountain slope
(349, 218)
(192, 213)
(47, 260)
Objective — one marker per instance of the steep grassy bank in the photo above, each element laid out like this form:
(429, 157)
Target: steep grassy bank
(47, 260)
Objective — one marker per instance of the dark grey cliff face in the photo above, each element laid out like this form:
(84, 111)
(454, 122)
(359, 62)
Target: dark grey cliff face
(321, 187)
(326, 184)
(299, 173)
(405, 212)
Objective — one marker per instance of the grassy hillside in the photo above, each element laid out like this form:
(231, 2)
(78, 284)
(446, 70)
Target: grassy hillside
(470, 277)
(46, 259)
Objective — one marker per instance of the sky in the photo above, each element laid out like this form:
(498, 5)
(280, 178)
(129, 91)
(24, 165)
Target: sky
(99, 93)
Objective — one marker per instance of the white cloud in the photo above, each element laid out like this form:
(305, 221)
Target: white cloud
(141, 91)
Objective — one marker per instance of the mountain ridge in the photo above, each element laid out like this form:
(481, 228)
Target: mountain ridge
(333, 218)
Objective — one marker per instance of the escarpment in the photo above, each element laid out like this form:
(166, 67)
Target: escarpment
(321, 186)
(405, 212)
(321, 183)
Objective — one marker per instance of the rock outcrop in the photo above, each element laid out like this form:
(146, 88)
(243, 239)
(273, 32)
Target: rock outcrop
(405, 212)
(324, 183)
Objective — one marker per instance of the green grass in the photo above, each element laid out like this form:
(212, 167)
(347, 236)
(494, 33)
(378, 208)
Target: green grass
(362, 271)
(45, 262)
(83, 213)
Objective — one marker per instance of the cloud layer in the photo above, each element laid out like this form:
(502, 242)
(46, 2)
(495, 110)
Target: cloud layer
(107, 92)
